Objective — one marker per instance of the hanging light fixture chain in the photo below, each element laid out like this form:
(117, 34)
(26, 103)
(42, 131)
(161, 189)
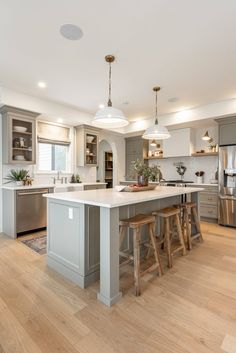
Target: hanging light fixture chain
(156, 89)
(156, 120)
(109, 103)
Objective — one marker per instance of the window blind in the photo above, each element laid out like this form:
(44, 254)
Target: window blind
(54, 134)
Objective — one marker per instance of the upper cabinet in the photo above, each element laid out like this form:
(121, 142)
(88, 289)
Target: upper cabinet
(19, 135)
(227, 131)
(180, 144)
(86, 146)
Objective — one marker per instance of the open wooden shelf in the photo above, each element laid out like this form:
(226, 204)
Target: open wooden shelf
(154, 157)
(204, 154)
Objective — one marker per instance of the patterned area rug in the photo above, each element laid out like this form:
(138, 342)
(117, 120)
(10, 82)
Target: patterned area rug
(38, 244)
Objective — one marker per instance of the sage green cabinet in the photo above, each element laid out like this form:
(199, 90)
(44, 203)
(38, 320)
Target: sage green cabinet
(19, 135)
(86, 146)
(227, 131)
(73, 247)
(135, 148)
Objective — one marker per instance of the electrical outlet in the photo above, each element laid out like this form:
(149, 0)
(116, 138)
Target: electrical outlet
(70, 214)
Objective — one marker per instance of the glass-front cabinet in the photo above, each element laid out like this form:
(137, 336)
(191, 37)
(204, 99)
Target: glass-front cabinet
(19, 135)
(87, 146)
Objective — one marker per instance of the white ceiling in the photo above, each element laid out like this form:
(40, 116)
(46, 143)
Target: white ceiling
(186, 46)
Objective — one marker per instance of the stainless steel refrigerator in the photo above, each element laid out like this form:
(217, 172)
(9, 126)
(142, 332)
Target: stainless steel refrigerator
(227, 185)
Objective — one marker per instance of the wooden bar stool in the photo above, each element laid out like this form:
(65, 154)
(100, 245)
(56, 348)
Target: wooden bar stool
(189, 218)
(136, 223)
(170, 218)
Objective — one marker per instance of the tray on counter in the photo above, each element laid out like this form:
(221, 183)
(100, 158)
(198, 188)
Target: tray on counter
(131, 188)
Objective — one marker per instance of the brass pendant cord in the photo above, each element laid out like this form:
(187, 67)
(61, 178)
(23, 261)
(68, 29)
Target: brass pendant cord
(156, 120)
(109, 103)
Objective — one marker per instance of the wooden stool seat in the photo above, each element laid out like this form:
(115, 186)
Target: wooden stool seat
(187, 205)
(189, 218)
(170, 217)
(136, 223)
(166, 212)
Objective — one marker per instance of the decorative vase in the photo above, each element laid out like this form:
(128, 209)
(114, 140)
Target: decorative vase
(142, 181)
(199, 179)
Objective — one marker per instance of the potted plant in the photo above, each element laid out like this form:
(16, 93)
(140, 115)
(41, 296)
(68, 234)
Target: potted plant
(17, 176)
(155, 173)
(142, 172)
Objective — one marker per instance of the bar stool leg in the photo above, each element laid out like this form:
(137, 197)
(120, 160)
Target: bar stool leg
(181, 238)
(187, 228)
(156, 251)
(168, 243)
(137, 261)
(122, 234)
(197, 223)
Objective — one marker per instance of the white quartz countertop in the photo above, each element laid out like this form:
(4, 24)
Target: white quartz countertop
(153, 182)
(111, 198)
(41, 186)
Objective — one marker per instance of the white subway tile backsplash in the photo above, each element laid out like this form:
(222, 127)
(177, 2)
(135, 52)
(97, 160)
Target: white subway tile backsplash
(208, 164)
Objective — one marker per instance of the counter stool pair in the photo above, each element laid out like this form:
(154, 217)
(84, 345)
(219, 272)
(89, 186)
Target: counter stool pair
(170, 226)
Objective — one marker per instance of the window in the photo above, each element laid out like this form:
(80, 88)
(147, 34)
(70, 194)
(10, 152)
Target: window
(52, 157)
(54, 152)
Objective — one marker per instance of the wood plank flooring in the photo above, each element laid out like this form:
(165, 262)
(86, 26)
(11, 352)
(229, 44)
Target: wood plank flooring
(191, 309)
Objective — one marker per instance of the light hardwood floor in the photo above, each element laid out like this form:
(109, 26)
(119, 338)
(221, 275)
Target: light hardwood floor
(191, 309)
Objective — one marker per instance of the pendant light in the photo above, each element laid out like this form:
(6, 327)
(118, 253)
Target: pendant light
(109, 117)
(206, 137)
(153, 143)
(157, 131)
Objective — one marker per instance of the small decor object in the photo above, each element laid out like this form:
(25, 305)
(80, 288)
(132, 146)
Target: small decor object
(75, 178)
(155, 174)
(181, 169)
(17, 176)
(142, 172)
(199, 176)
(27, 181)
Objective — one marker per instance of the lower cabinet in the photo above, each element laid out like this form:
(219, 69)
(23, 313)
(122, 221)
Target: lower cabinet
(208, 202)
(73, 247)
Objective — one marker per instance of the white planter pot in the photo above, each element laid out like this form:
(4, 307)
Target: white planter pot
(200, 180)
(19, 183)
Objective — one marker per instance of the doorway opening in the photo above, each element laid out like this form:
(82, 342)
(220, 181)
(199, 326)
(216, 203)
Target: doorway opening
(105, 163)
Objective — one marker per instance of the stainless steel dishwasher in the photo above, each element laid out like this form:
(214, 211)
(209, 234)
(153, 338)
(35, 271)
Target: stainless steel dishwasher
(31, 209)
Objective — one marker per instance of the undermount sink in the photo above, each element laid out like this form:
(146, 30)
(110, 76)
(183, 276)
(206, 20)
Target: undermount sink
(68, 187)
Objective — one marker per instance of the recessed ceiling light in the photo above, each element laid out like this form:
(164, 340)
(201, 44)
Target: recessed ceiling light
(101, 106)
(71, 32)
(42, 84)
(60, 120)
(173, 99)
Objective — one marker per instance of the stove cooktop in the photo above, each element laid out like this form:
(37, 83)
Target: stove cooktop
(178, 181)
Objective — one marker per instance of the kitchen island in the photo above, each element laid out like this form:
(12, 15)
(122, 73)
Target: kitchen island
(83, 232)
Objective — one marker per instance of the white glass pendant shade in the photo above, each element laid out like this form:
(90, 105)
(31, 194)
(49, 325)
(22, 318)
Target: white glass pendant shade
(156, 132)
(110, 117)
(206, 137)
